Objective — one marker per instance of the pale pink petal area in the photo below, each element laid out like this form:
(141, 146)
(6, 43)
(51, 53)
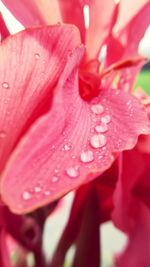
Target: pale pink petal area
(127, 10)
(35, 12)
(101, 17)
(124, 43)
(72, 12)
(70, 145)
(31, 64)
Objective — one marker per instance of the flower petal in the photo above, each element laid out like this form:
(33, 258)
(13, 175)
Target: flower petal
(31, 13)
(125, 17)
(3, 28)
(31, 64)
(101, 16)
(137, 251)
(72, 144)
(5, 260)
(72, 12)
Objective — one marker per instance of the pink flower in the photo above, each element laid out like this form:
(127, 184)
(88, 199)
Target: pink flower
(62, 122)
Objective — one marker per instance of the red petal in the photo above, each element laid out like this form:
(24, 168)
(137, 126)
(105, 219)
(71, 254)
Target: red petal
(3, 28)
(101, 16)
(72, 12)
(31, 64)
(31, 13)
(4, 252)
(137, 252)
(65, 148)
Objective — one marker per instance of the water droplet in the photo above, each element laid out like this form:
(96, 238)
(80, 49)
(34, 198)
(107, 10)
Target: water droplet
(97, 109)
(54, 179)
(37, 56)
(2, 134)
(98, 140)
(26, 195)
(5, 85)
(87, 156)
(101, 128)
(56, 171)
(72, 172)
(66, 147)
(37, 189)
(106, 119)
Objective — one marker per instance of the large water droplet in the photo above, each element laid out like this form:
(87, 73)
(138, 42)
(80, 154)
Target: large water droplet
(5, 85)
(72, 172)
(26, 195)
(101, 128)
(98, 140)
(37, 56)
(87, 156)
(97, 109)
(106, 119)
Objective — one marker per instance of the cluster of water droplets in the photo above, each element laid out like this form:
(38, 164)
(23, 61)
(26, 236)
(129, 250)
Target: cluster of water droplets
(94, 149)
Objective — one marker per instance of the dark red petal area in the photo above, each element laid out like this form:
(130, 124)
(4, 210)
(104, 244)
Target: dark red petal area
(71, 144)
(4, 32)
(5, 260)
(30, 66)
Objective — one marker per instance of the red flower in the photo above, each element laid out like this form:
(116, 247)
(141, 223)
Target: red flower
(61, 119)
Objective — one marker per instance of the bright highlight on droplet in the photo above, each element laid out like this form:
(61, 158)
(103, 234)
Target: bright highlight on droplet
(97, 109)
(72, 172)
(98, 140)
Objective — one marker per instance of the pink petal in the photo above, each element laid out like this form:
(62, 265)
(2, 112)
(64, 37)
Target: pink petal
(101, 18)
(31, 13)
(31, 64)
(71, 144)
(137, 252)
(72, 12)
(127, 11)
(126, 41)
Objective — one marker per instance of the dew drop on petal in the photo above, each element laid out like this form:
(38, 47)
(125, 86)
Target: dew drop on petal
(106, 119)
(87, 156)
(97, 109)
(101, 128)
(72, 172)
(37, 56)
(26, 195)
(98, 140)
(66, 147)
(5, 85)
(54, 179)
